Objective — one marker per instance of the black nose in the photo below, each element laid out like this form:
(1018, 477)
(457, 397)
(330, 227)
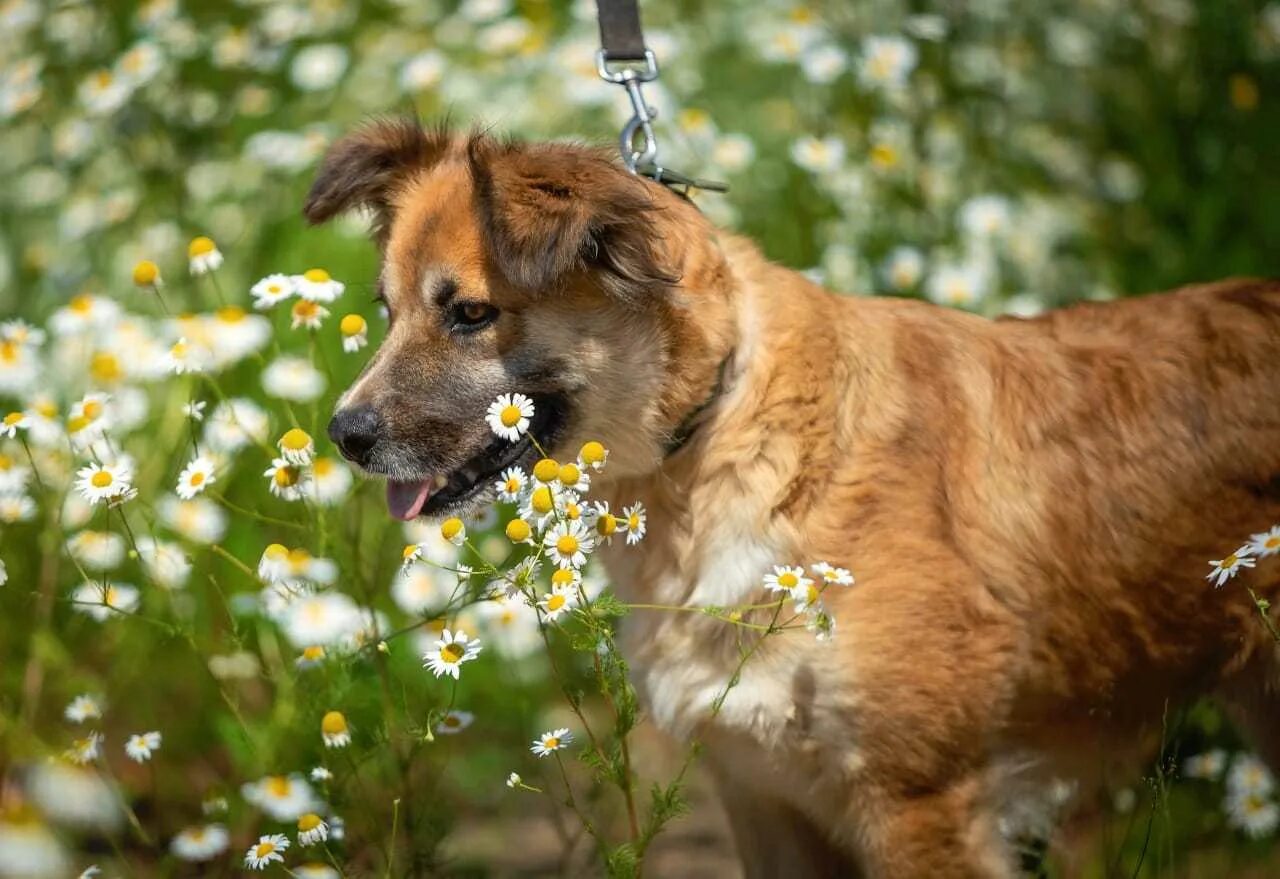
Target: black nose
(355, 430)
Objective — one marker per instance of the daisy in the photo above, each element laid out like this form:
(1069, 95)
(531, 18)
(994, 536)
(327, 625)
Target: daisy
(85, 750)
(284, 798)
(512, 484)
(199, 519)
(1227, 567)
(18, 368)
(320, 774)
(317, 286)
(450, 652)
(1249, 775)
(546, 471)
(310, 657)
(1254, 814)
(785, 579)
(519, 531)
(904, 267)
(100, 550)
(330, 481)
(605, 522)
(14, 475)
(203, 842)
(297, 447)
(195, 477)
(19, 332)
(1265, 544)
(141, 746)
(454, 722)
(147, 274)
(164, 562)
(315, 870)
(509, 415)
(453, 530)
(323, 619)
(573, 478)
(271, 290)
(101, 602)
(557, 602)
(818, 155)
(203, 255)
(183, 358)
(312, 829)
(235, 424)
(267, 850)
(16, 508)
(419, 588)
(294, 379)
(514, 780)
(274, 564)
(593, 455)
(194, 410)
(635, 517)
(567, 544)
(308, 314)
(14, 422)
(807, 596)
(286, 481)
(887, 61)
(83, 707)
(548, 742)
(832, 576)
(334, 730)
(1208, 765)
(103, 482)
(355, 332)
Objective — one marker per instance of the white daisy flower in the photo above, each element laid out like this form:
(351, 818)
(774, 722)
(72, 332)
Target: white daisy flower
(887, 61)
(310, 657)
(199, 519)
(16, 508)
(420, 588)
(832, 576)
(271, 290)
(558, 601)
(807, 596)
(334, 730)
(514, 780)
(454, 530)
(1208, 765)
(308, 314)
(568, 543)
(324, 619)
(285, 480)
(1256, 815)
(511, 486)
(317, 286)
(315, 870)
(284, 798)
(330, 481)
(904, 267)
(1265, 544)
(321, 775)
(549, 742)
(98, 550)
(165, 562)
(450, 652)
(83, 707)
(203, 255)
(593, 455)
(312, 829)
(297, 447)
(141, 746)
(355, 332)
(195, 477)
(454, 722)
(818, 155)
(574, 478)
(235, 424)
(294, 379)
(103, 602)
(20, 332)
(636, 523)
(785, 578)
(1227, 567)
(85, 750)
(958, 285)
(269, 849)
(103, 482)
(1249, 775)
(12, 423)
(509, 415)
(202, 842)
(184, 357)
(194, 410)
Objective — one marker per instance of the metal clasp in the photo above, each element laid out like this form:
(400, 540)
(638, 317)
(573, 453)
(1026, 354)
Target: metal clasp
(642, 115)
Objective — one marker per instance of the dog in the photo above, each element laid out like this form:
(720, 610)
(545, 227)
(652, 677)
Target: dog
(1028, 505)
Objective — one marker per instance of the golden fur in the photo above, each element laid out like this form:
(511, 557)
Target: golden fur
(1028, 505)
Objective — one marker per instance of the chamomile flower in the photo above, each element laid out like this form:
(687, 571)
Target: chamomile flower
(450, 652)
(83, 707)
(199, 519)
(314, 870)
(1208, 765)
(98, 550)
(330, 481)
(273, 566)
(574, 478)
(559, 600)
(832, 576)
(806, 595)
(512, 484)
(785, 578)
(297, 447)
(454, 722)
(310, 657)
(309, 314)
(294, 379)
(195, 477)
(355, 332)
(12, 423)
(103, 482)
(326, 618)
(164, 562)
(1265, 544)
(1254, 814)
(1249, 775)
(509, 415)
(269, 849)
(605, 523)
(285, 480)
(550, 742)
(194, 410)
(519, 531)
(334, 730)
(146, 274)
(514, 780)
(271, 290)
(103, 601)
(320, 775)
(284, 798)
(203, 255)
(1228, 566)
(312, 829)
(201, 842)
(85, 750)
(568, 543)
(185, 357)
(141, 746)
(454, 530)
(593, 455)
(316, 286)
(419, 588)
(887, 61)
(636, 523)
(16, 507)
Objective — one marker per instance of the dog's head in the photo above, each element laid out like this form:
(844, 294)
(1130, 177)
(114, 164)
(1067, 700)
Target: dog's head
(541, 269)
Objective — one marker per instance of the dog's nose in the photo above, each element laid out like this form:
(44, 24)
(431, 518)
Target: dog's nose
(355, 431)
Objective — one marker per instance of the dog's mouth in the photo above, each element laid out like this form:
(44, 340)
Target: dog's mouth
(443, 492)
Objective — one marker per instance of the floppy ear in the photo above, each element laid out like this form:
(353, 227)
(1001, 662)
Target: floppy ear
(551, 209)
(364, 168)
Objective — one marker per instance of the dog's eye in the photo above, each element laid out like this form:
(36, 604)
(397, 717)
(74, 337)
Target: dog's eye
(470, 316)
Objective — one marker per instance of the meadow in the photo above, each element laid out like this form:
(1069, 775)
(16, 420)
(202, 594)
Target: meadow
(219, 654)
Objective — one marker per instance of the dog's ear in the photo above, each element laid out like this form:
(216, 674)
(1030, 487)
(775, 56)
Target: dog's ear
(550, 209)
(364, 168)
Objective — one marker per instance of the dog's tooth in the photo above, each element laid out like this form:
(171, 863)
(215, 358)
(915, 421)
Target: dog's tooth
(441, 481)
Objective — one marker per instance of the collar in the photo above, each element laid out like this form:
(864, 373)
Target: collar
(685, 429)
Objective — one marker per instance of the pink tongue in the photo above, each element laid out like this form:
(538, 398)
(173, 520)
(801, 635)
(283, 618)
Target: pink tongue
(405, 499)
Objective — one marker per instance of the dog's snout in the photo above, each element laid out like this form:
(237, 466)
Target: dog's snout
(355, 431)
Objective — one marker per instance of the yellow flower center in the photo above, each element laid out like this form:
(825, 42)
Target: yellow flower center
(200, 246)
(82, 304)
(9, 351)
(299, 558)
(145, 273)
(92, 409)
(295, 440)
(276, 552)
(555, 601)
(197, 478)
(546, 470)
(518, 530)
(308, 822)
(263, 849)
(105, 368)
(1272, 543)
(572, 511)
(633, 521)
(452, 652)
(322, 466)
(316, 276)
(278, 786)
(12, 418)
(409, 550)
(101, 479)
(313, 654)
(607, 524)
(352, 325)
(1229, 561)
(77, 424)
(551, 743)
(47, 409)
(567, 545)
(451, 528)
(111, 597)
(333, 723)
(570, 474)
(102, 79)
(562, 577)
(884, 156)
(512, 485)
(510, 416)
(811, 594)
(287, 476)
(305, 308)
(6, 462)
(231, 314)
(452, 720)
(592, 452)
(788, 580)
(541, 500)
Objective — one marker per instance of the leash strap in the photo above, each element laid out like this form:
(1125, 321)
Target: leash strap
(620, 35)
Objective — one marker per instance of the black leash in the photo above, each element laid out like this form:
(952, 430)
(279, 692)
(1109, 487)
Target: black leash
(624, 59)
(691, 422)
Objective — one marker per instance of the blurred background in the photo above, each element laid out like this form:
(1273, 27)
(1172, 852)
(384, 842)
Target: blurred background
(1001, 156)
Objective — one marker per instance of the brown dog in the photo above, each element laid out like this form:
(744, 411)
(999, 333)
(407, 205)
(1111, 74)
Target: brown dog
(1028, 505)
